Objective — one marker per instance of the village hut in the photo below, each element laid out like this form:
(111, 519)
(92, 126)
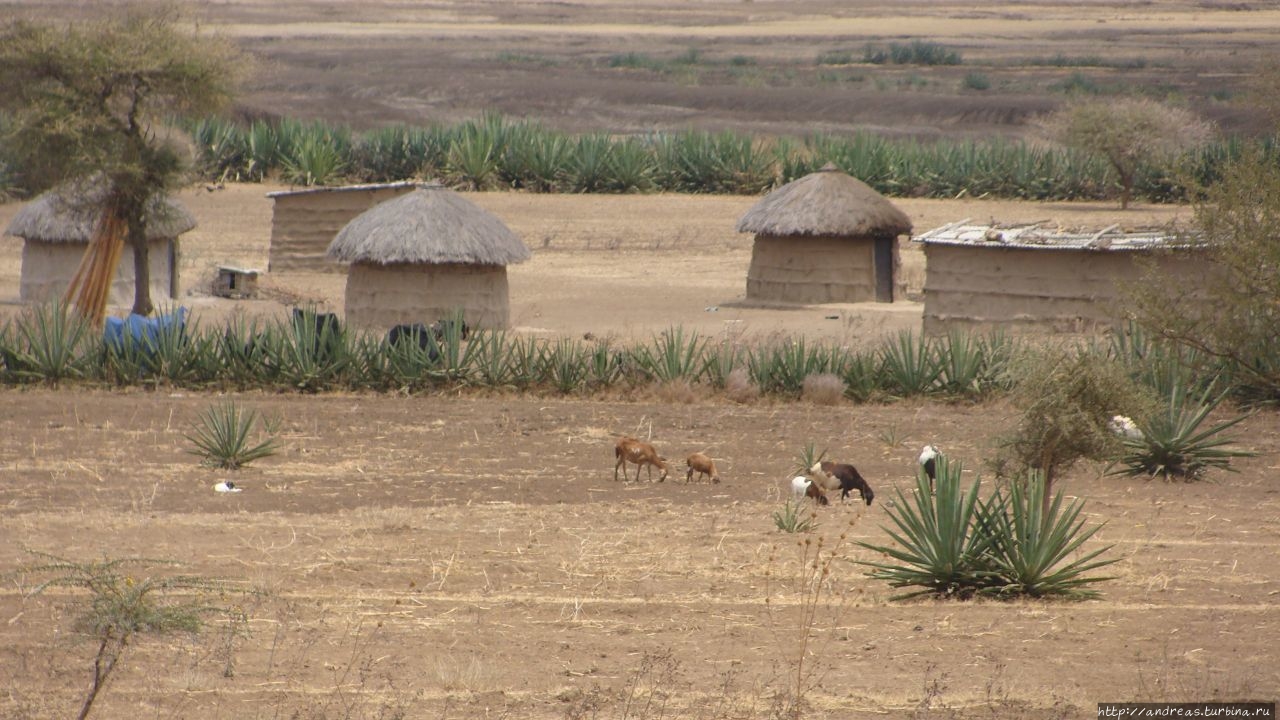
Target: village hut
(824, 238)
(304, 221)
(425, 256)
(1033, 279)
(56, 229)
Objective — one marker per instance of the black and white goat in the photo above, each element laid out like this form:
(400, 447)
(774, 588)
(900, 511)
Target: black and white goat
(843, 477)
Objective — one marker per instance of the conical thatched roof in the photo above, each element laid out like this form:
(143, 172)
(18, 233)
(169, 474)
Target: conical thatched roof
(61, 216)
(429, 225)
(827, 202)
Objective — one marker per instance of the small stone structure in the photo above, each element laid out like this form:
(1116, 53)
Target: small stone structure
(1034, 279)
(825, 238)
(425, 256)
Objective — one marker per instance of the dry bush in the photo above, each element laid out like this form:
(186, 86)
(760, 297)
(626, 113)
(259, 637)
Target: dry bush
(739, 388)
(679, 391)
(823, 389)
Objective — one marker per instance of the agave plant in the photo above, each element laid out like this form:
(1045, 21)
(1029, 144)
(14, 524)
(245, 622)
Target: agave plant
(794, 517)
(222, 436)
(672, 356)
(1030, 545)
(50, 344)
(1012, 545)
(1173, 443)
(938, 549)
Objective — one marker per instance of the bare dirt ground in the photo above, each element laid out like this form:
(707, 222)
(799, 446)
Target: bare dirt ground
(471, 556)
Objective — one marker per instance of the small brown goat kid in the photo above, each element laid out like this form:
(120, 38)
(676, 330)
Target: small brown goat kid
(702, 465)
(638, 452)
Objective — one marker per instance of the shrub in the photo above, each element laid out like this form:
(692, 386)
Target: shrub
(1065, 398)
(823, 389)
(977, 81)
(738, 386)
(119, 608)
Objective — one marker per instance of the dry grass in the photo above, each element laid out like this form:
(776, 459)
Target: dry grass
(823, 389)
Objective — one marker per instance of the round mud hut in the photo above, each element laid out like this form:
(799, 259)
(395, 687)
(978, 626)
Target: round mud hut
(56, 229)
(824, 238)
(425, 256)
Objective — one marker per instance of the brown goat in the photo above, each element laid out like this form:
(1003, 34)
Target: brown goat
(630, 450)
(703, 465)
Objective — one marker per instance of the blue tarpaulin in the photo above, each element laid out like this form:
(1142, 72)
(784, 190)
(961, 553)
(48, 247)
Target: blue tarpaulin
(142, 329)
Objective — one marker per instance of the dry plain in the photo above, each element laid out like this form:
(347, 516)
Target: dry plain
(470, 556)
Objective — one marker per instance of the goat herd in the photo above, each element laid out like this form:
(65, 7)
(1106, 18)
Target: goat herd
(823, 477)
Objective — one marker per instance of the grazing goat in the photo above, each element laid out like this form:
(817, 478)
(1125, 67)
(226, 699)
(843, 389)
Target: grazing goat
(842, 477)
(630, 450)
(703, 465)
(1125, 428)
(802, 486)
(929, 462)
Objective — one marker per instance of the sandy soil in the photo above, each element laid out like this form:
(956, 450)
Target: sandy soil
(473, 557)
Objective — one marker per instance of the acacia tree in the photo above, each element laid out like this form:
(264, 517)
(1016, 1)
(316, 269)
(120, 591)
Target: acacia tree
(1064, 398)
(1128, 132)
(1231, 314)
(91, 100)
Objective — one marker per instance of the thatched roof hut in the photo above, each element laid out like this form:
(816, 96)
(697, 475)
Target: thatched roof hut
(424, 256)
(56, 228)
(824, 238)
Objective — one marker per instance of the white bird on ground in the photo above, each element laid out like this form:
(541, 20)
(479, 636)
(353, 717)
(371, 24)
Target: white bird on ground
(226, 486)
(1124, 427)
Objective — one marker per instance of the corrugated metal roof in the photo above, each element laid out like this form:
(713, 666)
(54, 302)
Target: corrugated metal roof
(1034, 236)
(345, 188)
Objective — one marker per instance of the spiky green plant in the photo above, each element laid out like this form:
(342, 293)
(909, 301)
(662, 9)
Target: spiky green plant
(937, 548)
(1174, 445)
(222, 436)
(50, 347)
(314, 161)
(672, 355)
(910, 364)
(1031, 543)
(808, 456)
(795, 517)
(565, 365)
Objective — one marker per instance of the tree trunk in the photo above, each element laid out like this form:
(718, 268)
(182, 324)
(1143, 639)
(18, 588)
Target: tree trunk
(141, 265)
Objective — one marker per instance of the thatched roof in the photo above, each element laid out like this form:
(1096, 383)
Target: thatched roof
(61, 216)
(827, 202)
(429, 225)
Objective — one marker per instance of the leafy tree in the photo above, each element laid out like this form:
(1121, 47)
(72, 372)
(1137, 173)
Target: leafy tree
(119, 607)
(90, 100)
(1065, 399)
(1231, 314)
(1128, 132)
